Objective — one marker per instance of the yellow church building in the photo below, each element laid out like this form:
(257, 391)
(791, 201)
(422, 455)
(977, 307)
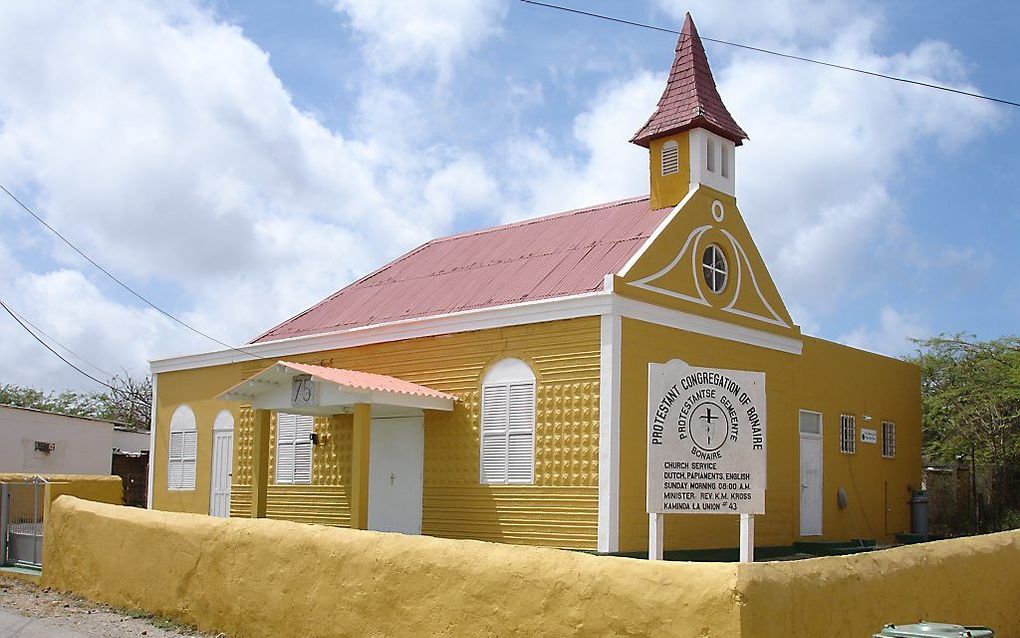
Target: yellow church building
(494, 384)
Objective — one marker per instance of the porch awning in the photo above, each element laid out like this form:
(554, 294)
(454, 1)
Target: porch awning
(309, 389)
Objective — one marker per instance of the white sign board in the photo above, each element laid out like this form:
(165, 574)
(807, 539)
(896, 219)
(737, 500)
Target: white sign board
(706, 440)
(869, 436)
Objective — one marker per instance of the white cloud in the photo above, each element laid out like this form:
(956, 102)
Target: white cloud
(413, 34)
(813, 22)
(73, 311)
(160, 140)
(595, 165)
(892, 336)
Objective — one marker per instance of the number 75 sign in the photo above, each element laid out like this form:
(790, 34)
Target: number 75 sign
(303, 391)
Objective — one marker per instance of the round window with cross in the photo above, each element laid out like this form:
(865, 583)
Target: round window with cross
(713, 265)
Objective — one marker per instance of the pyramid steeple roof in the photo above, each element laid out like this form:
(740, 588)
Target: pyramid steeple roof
(691, 98)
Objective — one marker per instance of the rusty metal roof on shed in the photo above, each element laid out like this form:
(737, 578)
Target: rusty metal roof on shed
(556, 256)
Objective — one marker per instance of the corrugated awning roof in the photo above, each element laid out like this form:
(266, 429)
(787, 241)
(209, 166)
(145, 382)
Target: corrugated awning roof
(345, 388)
(560, 255)
(367, 381)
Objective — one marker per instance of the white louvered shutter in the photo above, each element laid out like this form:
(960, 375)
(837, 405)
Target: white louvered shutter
(303, 426)
(285, 447)
(189, 460)
(176, 456)
(495, 403)
(670, 158)
(521, 439)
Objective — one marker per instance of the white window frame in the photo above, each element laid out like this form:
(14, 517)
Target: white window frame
(710, 147)
(294, 449)
(507, 424)
(670, 158)
(848, 433)
(182, 450)
(889, 439)
(821, 425)
(719, 275)
(724, 161)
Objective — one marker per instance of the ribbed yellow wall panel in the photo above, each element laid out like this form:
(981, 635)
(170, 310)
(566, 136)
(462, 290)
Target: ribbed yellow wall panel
(244, 443)
(240, 500)
(555, 516)
(322, 504)
(560, 509)
(326, 501)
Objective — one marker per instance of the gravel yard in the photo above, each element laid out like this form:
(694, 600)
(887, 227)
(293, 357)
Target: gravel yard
(28, 611)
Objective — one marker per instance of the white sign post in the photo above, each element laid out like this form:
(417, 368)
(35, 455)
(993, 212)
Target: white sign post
(706, 447)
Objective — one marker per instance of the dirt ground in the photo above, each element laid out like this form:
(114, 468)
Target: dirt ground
(28, 610)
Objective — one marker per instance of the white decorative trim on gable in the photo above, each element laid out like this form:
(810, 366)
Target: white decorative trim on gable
(742, 258)
(645, 282)
(680, 320)
(663, 225)
(742, 261)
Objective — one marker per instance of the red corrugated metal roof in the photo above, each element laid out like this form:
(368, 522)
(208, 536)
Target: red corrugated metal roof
(367, 380)
(565, 254)
(690, 98)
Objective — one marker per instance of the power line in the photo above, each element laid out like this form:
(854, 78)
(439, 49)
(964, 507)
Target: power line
(115, 391)
(119, 282)
(776, 53)
(65, 348)
(47, 346)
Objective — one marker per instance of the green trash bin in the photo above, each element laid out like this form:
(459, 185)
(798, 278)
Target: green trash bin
(934, 630)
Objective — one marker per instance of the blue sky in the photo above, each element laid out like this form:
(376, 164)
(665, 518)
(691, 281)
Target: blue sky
(238, 161)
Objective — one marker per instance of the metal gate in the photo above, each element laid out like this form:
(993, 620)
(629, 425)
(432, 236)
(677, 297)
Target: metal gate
(21, 522)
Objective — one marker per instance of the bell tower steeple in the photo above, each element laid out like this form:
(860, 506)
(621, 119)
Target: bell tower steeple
(691, 137)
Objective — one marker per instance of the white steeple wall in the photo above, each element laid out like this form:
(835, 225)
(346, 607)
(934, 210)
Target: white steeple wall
(713, 161)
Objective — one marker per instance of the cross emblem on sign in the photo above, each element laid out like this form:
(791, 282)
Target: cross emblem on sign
(708, 417)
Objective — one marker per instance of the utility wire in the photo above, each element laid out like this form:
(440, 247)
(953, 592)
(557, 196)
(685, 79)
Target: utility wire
(115, 391)
(776, 53)
(65, 348)
(47, 346)
(119, 282)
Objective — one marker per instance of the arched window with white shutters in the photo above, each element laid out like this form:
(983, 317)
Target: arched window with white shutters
(508, 423)
(294, 448)
(183, 449)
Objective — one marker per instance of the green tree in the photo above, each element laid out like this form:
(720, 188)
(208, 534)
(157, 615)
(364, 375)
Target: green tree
(970, 393)
(970, 397)
(128, 401)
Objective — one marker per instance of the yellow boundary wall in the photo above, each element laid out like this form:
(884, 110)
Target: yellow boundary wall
(272, 578)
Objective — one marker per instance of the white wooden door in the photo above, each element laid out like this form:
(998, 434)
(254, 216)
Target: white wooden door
(810, 474)
(223, 456)
(395, 475)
